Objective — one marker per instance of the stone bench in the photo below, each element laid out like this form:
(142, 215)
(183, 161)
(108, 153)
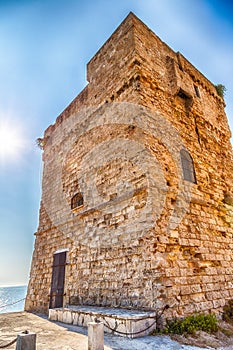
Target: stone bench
(123, 322)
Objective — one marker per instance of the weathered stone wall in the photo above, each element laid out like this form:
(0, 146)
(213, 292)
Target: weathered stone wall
(144, 236)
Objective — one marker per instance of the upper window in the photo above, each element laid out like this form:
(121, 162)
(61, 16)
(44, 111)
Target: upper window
(76, 201)
(197, 91)
(183, 94)
(187, 166)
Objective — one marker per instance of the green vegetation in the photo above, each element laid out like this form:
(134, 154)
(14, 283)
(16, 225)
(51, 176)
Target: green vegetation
(40, 143)
(221, 90)
(192, 324)
(228, 312)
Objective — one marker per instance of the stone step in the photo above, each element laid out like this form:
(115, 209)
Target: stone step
(123, 322)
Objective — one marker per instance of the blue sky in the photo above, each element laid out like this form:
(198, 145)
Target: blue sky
(44, 48)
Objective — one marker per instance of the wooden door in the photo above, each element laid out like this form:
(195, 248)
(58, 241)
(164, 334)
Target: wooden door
(58, 280)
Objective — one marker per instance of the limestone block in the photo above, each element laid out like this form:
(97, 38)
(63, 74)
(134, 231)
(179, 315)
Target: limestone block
(53, 314)
(67, 317)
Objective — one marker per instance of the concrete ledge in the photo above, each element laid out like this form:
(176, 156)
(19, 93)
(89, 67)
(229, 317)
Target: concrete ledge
(123, 322)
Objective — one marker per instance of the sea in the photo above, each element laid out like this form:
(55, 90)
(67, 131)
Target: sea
(12, 299)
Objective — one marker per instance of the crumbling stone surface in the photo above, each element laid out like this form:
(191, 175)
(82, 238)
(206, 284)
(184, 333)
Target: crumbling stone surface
(144, 237)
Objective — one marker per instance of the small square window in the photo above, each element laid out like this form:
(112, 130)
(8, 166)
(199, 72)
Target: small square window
(183, 95)
(76, 201)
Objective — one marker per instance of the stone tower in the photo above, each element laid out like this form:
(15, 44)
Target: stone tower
(137, 206)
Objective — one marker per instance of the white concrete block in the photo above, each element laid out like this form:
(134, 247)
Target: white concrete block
(26, 341)
(95, 336)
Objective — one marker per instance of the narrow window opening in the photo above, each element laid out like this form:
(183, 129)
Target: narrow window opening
(187, 166)
(77, 201)
(197, 91)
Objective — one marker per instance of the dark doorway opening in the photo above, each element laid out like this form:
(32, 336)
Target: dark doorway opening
(58, 280)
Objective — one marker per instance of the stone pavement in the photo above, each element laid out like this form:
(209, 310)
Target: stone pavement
(59, 336)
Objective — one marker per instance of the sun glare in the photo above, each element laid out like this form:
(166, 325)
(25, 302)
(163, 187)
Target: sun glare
(11, 142)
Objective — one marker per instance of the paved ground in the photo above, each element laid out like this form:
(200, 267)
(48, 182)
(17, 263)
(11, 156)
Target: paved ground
(51, 336)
